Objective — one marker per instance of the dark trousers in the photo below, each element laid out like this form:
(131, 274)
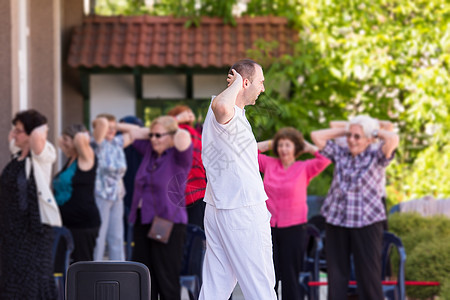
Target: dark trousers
(163, 260)
(365, 244)
(288, 251)
(84, 240)
(196, 213)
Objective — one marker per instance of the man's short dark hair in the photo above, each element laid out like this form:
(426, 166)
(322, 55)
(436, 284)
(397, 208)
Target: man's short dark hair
(30, 119)
(245, 67)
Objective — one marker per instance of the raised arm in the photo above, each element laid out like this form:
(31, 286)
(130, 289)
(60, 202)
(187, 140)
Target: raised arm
(391, 141)
(134, 132)
(182, 140)
(320, 137)
(12, 143)
(38, 138)
(338, 124)
(185, 117)
(385, 125)
(265, 145)
(84, 150)
(223, 104)
(101, 127)
(310, 148)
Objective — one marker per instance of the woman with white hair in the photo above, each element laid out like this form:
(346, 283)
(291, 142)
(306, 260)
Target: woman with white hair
(353, 208)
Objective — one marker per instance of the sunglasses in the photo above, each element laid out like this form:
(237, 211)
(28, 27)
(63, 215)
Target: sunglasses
(158, 135)
(355, 136)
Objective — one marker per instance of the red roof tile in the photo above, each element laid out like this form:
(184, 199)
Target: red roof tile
(148, 41)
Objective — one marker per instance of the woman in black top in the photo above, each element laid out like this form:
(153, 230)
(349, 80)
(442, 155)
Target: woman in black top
(26, 266)
(74, 191)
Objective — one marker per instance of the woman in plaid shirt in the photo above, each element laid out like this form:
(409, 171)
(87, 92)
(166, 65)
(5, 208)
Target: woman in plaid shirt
(353, 208)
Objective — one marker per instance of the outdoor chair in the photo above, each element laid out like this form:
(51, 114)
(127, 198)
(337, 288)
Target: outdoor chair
(108, 280)
(391, 292)
(129, 243)
(394, 209)
(319, 222)
(314, 205)
(194, 253)
(397, 291)
(61, 251)
(311, 262)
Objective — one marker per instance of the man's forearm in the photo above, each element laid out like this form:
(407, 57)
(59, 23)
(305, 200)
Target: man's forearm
(223, 104)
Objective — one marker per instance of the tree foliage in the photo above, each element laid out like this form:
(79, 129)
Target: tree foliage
(389, 59)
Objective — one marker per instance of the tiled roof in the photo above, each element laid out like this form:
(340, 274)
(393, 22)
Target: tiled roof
(148, 41)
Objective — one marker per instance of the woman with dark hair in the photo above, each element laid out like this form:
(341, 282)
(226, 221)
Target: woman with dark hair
(26, 240)
(74, 191)
(285, 182)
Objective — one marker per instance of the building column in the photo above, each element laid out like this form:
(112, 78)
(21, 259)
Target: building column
(6, 80)
(72, 13)
(44, 61)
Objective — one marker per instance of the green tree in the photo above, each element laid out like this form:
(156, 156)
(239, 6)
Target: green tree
(388, 59)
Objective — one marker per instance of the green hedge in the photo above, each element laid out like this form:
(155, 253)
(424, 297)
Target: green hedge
(445, 290)
(427, 245)
(430, 261)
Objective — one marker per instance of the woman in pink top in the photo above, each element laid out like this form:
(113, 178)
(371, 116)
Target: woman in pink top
(286, 181)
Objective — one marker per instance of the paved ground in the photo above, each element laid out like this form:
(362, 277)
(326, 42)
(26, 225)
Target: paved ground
(237, 294)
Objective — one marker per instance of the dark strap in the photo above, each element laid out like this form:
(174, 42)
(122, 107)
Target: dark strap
(22, 186)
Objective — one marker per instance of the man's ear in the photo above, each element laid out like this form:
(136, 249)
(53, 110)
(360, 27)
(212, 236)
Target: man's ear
(246, 83)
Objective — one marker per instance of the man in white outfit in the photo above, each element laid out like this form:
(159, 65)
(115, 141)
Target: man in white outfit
(238, 239)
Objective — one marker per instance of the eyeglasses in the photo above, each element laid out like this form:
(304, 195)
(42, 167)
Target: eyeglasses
(18, 131)
(355, 136)
(159, 135)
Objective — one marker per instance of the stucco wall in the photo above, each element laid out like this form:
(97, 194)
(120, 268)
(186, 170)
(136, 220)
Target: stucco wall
(44, 63)
(5, 78)
(207, 85)
(113, 94)
(164, 86)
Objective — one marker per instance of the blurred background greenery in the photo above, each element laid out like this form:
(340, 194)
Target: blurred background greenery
(388, 59)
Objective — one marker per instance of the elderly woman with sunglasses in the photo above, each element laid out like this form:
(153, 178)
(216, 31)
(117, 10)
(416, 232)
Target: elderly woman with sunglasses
(353, 208)
(159, 192)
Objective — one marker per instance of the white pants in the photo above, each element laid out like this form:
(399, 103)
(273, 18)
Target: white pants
(238, 249)
(111, 230)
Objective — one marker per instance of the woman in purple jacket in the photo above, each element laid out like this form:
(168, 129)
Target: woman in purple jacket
(159, 191)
